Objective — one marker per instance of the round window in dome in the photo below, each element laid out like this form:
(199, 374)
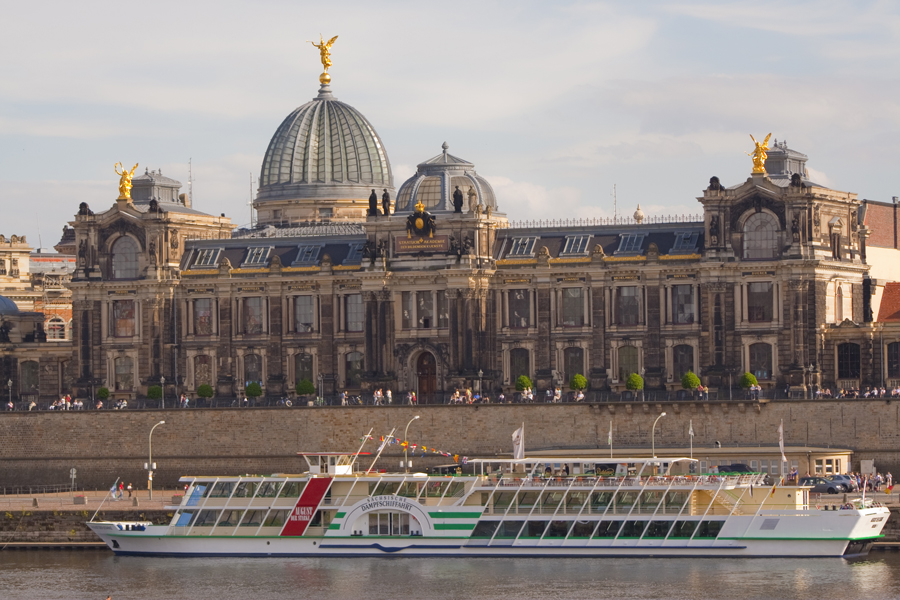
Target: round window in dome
(429, 192)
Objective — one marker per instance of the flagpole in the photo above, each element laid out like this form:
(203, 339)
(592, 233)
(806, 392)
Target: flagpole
(610, 439)
(364, 440)
(381, 449)
(691, 427)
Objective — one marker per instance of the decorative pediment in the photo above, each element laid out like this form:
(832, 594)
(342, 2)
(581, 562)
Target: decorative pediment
(122, 226)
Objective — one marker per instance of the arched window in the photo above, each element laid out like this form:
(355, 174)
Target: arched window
(353, 366)
(760, 236)
(56, 329)
(519, 364)
(682, 360)
(125, 264)
(303, 368)
(253, 368)
(202, 370)
(573, 362)
(838, 303)
(848, 361)
(628, 362)
(30, 374)
(761, 360)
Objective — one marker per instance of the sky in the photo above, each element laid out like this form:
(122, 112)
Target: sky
(556, 103)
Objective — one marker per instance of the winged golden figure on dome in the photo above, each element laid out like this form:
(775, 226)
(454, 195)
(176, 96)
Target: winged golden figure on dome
(759, 155)
(324, 50)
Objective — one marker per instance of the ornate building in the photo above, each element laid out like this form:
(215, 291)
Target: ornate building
(439, 290)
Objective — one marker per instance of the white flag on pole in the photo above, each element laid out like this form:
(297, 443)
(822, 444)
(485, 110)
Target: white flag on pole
(518, 439)
(609, 440)
(691, 428)
(781, 441)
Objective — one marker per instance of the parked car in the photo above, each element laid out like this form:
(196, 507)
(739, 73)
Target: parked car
(848, 482)
(821, 485)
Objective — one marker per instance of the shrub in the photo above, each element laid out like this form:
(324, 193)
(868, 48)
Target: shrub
(523, 383)
(154, 392)
(748, 379)
(578, 382)
(103, 393)
(305, 387)
(634, 382)
(205, 391)
(689, 381)
(254, 390)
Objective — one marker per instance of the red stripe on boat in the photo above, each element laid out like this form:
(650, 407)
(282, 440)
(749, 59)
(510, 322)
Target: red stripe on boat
(306, 506)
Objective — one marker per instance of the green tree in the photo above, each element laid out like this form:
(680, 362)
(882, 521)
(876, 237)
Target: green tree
(103, 393)
(154, 392)
(523, 383)
(748, 379)
(205, 391)
(305, 387)
(254, 390)
(578, 382)
(634, 382)
(689, 381)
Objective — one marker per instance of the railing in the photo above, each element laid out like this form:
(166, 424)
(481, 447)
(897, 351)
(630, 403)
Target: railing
(589, 481)
(600, 221)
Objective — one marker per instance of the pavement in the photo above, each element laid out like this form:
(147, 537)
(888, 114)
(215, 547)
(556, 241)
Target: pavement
(92, 501)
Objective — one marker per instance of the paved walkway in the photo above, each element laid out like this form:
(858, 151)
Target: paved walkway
(93, 499)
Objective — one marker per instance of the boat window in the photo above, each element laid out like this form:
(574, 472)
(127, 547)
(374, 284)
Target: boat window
(436, 488)
(292, 489)
(208, 490)
(658, 529)
(503, 499)
(583, 529)
(184, 518)
(322, 518)
(223, 489)
(674, 501)
(551, 500)
(683, 529)
(253, 518)
(633, 529)
(245, 489)
(709, 529)
(231, 518)
(509, 529)
(608, 529)
(410, 489)
(600, 499)
(456, 489)
(650, 500)
(534, 529)
(575, 500)
(385, 488)
(197, 492)
(528, 498)
(276, 518)
(485, 529)
(268, 489)
(558, 529)
(625, 499)
(206, 518)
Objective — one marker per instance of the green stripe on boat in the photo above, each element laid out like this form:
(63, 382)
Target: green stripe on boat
(339, 515)
(454, 515)
(466, 526)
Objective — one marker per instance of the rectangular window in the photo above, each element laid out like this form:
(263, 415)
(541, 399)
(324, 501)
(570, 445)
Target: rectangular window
(203, 315)
(443, 307)
(576, 244)
(123, 318)
(253, 315)
(257, 256)
(760, 295)
(628, 305)
(848, 356)
(424, 310)
(683, 304)
(353, 306)
(354, 253)
(307, 254)
(207, 257)
(631, 242)
(685, 241)
(573, 307)
(406, 310)
(304, 314)
(519, 309)
(522, 246)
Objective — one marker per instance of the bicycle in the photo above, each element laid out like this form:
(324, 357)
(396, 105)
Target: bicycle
(285, 402)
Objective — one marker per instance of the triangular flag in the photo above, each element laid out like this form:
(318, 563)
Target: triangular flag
(691, 428)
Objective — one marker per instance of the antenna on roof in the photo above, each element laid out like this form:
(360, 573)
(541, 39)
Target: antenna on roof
(615, 210)
(190, 182)
(250, 203)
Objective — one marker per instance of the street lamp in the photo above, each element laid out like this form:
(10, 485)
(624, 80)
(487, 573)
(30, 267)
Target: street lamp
(9, 385)
(480, 375)
(653, 433)
(162, 385)
(406, 441)
(150, 466)
(644, 384)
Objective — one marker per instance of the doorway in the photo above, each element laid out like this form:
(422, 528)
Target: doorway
(426, 371)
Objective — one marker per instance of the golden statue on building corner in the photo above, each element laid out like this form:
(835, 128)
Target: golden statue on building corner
(759, 155)
(325, 54)
(125, 181)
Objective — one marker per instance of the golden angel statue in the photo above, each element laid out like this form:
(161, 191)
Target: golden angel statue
(325, 50)
(125, 181)
(759, 155)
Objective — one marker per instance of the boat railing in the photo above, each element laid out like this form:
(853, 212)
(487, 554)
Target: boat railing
(589, 481)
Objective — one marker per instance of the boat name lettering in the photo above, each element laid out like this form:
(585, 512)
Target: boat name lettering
(387, 503)
(302, 513)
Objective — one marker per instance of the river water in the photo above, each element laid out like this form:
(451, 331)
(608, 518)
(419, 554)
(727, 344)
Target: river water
(50, 575)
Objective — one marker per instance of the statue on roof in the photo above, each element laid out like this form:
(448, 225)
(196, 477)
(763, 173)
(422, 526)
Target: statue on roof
(386, 202)
(325, 55)
(759, 155)
(457, 200)
(124, 181)
(373, 204)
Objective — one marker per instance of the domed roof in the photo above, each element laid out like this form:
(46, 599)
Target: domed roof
(324, 149)
(8, 307)
(438, 177)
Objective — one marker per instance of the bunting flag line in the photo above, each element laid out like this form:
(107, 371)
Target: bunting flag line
(384, 441)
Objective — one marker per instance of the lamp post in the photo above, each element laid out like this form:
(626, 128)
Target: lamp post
(150, 466)
(162, 385)
(9, 386)
(480, 375)
(406, 441)
(643, 384)
(653, 433)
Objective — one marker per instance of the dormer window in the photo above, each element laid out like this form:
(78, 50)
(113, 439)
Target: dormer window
(522, 246)
(631, 243)
(576, 244)
(685, 241)
(354, 254)
(206, 257)
(257, 256)
(307, 254)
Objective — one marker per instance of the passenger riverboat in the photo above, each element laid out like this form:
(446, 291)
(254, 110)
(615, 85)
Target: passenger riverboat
(566, 507)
